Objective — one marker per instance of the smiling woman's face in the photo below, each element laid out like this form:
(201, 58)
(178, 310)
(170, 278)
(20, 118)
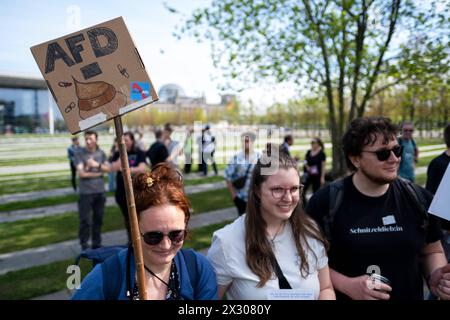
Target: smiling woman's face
(163, 218)
(280, 208)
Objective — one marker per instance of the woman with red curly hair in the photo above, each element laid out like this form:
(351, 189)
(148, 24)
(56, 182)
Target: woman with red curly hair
(171, 273)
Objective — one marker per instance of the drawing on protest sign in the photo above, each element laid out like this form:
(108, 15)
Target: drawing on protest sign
(95, 74)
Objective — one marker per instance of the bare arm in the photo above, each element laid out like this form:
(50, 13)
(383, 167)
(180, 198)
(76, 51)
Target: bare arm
(231, 189)
(140, 168)
(103, 167)
(436, 269)
(85, 174)
(323, 171)
(358, 288)
(326, 287)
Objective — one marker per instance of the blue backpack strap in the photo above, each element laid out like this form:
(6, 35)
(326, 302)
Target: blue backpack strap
(112, 277)
(191, 265)
(335, 199)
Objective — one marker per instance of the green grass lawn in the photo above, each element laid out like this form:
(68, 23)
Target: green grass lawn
(202, 180)
(29, 184)
(24, 234)
(58, 200)
(24, 162)
(42, 202)
(36, 184)
(211, 200)
(31, 233)
(33, 174)
(41, 280)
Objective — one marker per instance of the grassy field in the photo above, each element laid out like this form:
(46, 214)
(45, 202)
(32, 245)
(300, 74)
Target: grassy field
(31, 233)
(41, 280)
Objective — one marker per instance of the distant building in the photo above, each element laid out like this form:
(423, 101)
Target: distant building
(26, 105)
(172, 98)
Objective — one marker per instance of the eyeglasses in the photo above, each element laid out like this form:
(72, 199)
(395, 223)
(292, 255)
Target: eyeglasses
(279, 192)
(384, 154)
(154, 237)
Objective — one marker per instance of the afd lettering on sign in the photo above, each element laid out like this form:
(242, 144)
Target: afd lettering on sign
(139, 90)
(55, 51)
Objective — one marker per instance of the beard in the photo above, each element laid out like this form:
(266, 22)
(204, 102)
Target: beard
(376, 178)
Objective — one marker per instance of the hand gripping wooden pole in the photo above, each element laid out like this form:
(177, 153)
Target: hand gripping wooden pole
(135, 234)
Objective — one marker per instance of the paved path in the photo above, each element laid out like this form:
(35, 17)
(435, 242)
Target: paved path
(23, 214)
(28, 258)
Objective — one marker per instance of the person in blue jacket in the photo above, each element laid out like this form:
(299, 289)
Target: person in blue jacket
(171, 273)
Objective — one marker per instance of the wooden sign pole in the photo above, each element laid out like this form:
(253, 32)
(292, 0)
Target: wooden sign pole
(135, 233)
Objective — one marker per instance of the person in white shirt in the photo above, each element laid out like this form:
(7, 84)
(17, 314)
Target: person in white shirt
(275, 245)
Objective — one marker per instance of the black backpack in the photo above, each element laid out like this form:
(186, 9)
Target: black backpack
(400, 186)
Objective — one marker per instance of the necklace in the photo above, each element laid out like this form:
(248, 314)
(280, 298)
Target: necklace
(272, 240)
(153, 274)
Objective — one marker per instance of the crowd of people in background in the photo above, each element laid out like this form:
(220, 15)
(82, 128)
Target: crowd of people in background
(331, 241)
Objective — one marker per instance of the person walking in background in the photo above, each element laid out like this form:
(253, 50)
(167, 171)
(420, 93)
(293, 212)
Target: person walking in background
(71, 153)
(275, 245)
(435, 172)
(382, 241)
(136, 162)
(173, 146)
(314, 167)
(111, 173)
(171, 273)
(188, 149)
(288, 141)
(140, 144)
(208, 148)
(286, 146)
(91, 162)
(410, 154)
(157, 152)
(203, 165)
(239, 170)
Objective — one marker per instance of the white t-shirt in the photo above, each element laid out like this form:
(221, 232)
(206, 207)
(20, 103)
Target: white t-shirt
(227, 256)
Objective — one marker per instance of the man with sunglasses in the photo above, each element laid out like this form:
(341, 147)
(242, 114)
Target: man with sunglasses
(410, 153)
(377, 228)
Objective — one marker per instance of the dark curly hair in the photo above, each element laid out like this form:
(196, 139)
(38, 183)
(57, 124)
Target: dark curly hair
(163, 185)
(362, 132)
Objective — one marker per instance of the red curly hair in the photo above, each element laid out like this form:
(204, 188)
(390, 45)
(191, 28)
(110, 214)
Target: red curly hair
(163, 185)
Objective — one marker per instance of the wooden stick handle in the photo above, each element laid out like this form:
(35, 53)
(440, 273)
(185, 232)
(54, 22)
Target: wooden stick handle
(135, 234)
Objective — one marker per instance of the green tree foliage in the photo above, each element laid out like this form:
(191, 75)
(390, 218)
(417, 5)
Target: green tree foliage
(336, 48)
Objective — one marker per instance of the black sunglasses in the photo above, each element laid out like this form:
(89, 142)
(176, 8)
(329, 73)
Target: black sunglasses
(384, 154)
(154, 237)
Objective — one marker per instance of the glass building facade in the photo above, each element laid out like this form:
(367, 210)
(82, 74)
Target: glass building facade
(26, 110)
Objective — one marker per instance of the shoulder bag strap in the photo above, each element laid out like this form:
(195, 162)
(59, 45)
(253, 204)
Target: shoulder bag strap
(282, 281)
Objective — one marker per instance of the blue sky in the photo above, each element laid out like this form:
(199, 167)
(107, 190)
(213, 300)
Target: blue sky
(24, 23)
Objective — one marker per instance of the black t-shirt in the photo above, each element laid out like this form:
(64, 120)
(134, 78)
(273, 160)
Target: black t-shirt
(315, 162)
(372, 231)
(157, 153)
(135, 157)
(435, 172)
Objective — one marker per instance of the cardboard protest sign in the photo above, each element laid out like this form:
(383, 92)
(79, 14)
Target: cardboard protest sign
(440, 206)
(95, 74)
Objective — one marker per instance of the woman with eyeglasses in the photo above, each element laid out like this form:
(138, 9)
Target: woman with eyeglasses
(274, 246)
(172, 273)
(314, 167)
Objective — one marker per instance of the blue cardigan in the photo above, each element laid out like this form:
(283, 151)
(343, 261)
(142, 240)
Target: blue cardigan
(205, 289)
